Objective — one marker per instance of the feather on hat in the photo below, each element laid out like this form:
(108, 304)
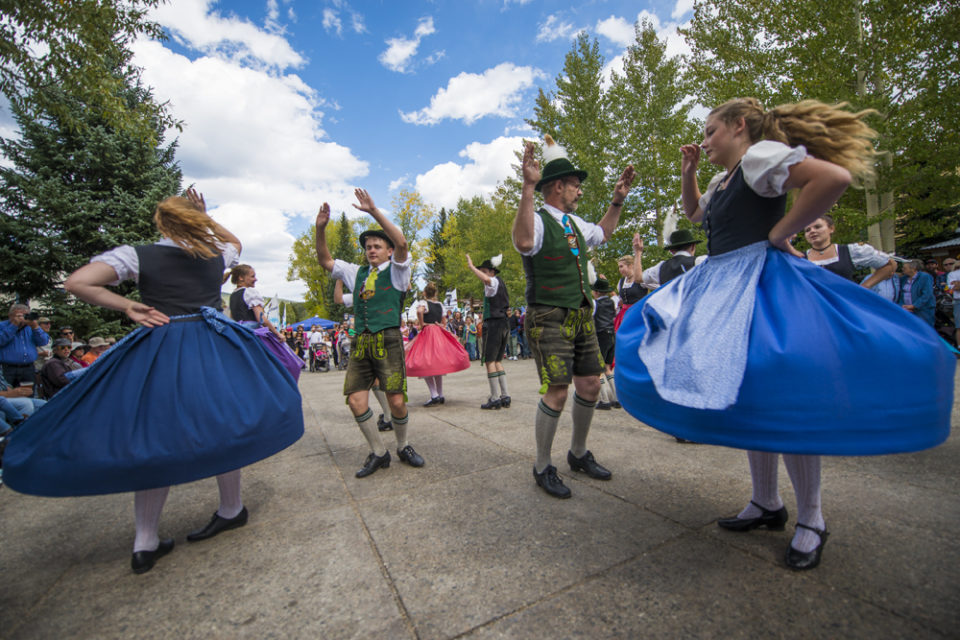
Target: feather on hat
(556, 164)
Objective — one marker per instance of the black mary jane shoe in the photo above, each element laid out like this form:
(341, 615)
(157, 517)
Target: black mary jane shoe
(550, 482)
(588, 465)
(372, 463)
(772, 520)
(383, 425)
(505, 402)
(143, 561)
(603, 406)
(218, 524)
(491, 404)
(800, 560)
(433, 401)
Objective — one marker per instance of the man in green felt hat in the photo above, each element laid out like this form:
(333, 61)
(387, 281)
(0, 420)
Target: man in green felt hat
(376, 351)
(683, 245)
(559, 319)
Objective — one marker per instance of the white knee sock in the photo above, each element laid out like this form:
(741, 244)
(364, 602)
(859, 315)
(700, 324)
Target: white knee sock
(230, 503)
(545, 427)
(147, 506)
(805, 474)
(369, 429)
(400, 430)
(438, 380)
(604, 396)
(382, 399)
(494, 386)
(611, 388)
(763, 470)
(503, 383)
(582, 415)
(432, 386)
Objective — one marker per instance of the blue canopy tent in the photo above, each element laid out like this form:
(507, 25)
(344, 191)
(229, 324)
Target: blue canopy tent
(323, 323)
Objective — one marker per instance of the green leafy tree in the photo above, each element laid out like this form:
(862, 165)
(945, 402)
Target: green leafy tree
(899, 58)
(73, 45)
(651, 120)
(412, 215)
(342, 236)
(436, 263)
(482, 229)
(575, 114)
(73, 192)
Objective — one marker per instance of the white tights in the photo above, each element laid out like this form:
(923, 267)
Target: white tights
(804, 472)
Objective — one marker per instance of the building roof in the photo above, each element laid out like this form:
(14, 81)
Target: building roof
(952, 242)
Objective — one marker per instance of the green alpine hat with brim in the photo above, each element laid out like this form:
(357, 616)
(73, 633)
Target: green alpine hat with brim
(556, 164)
(602, 285)
(682, 238)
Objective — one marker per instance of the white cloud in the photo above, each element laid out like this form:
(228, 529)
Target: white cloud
(616, 29)
(254, 145)
(399, 182)
(331, 21)
(194, 25)
(356, 21)
(681, 8)
(487, 165)
(273, 10)
(400, 51)
(471, 96)
(553, 28)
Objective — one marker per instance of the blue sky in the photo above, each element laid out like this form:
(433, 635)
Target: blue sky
(289, 103)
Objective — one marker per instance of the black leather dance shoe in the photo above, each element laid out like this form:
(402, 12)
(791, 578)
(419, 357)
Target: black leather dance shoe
(411, 457)
(772, 520)
(550, 482)
(505, 402)
(218, 525)
(372, 463)
(383, 425)
(143, 561)
(433, 402)
(801, 561)
(491, 404)
(588, 465)
(603, 406)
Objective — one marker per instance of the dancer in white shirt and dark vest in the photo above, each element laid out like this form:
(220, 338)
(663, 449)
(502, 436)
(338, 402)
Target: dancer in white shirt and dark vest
(559, 320)
(376, 351)
(496, 330)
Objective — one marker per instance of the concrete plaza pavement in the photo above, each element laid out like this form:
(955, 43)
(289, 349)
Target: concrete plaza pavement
(469, 547)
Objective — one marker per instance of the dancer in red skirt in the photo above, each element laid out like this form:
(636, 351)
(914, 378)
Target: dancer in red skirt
(435, 351)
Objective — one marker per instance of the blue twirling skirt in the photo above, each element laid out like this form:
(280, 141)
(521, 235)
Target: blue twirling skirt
(759, 350)
(188, 400)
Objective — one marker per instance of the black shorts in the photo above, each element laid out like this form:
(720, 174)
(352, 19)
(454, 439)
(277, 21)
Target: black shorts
(496, 331)
(607, 341)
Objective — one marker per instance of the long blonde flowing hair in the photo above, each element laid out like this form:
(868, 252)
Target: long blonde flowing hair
(189, 227)
(829, 132)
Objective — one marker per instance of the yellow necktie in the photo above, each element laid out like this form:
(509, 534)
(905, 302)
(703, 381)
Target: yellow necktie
(370, 284)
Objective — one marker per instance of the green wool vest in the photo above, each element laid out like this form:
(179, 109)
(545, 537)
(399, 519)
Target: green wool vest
(379, 308)
(555, 276)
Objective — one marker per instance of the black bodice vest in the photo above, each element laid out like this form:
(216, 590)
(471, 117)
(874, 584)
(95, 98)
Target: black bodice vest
(175, 283)
(843, 267)
(239, 310)
(632, 294)
(674, 267)
(738, 216)
(604, 314)
(434, 313)
(499, 302)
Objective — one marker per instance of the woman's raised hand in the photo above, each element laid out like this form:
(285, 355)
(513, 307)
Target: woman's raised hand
(690, 158)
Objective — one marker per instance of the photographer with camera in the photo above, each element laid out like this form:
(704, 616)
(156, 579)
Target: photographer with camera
(19, 338)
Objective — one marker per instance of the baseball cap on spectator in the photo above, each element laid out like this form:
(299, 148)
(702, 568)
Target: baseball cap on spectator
(62, 342)
(43, 320)
(76, 345)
